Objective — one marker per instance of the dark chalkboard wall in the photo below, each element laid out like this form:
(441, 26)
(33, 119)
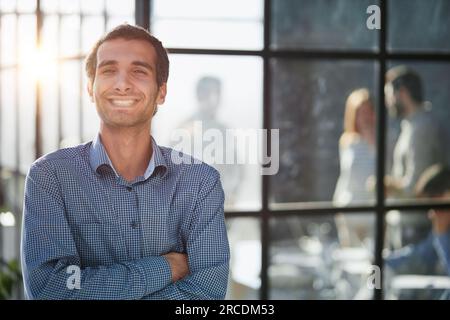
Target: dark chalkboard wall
(308, 96)
(308, 101)
(324, 24)
(420, 25)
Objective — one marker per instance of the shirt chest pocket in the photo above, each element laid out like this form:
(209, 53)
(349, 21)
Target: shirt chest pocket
(95, 232)
(82, 210)
(99, 244)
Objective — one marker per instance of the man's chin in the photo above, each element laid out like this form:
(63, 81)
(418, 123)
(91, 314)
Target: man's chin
(124, 123)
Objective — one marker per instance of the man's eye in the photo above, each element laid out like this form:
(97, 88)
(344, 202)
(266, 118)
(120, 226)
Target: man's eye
(139, 71)
(107, 71)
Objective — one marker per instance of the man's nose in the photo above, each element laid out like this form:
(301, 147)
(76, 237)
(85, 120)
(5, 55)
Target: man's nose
(122, 83)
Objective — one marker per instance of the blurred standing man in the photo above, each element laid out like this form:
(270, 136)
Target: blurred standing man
(420, 143)
(209, 93)
(117, 209)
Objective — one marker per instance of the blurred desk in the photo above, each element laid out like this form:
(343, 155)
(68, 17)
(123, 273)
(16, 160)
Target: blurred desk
(402, 282)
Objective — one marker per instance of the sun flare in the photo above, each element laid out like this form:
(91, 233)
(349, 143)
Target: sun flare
(40, 63)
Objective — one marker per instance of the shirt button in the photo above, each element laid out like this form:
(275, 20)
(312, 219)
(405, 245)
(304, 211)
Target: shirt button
(135, 225)
(129, 188)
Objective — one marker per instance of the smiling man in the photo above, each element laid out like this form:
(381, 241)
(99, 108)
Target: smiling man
(135, 224)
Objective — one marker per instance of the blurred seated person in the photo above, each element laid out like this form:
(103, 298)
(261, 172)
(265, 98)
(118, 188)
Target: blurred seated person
(357, 163)
(431, 256)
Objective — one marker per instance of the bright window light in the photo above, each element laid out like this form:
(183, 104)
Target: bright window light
(7, 219)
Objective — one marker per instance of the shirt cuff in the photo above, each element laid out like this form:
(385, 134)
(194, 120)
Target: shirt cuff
(157, 273)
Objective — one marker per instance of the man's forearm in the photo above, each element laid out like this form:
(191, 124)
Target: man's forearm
(127, 280)
(207, 284)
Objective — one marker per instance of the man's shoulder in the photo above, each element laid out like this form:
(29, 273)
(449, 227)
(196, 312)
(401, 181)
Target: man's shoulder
(426, 119)
(187, 165)
(61, 156)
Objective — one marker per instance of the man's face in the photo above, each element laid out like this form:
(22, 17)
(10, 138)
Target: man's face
(209, 100)
(125, 90)
(393, 101)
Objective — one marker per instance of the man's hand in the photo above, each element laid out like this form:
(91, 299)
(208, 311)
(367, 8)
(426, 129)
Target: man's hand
(178, 265)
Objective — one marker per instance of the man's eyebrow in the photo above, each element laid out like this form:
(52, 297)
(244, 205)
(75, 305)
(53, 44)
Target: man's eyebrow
(107, 63)
(136, 63)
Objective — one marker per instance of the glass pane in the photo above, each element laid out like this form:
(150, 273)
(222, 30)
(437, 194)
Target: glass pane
(422, 135)
(322, 24)
(48, 81)
(69, 6)
(419, 25)
(49, 106)
(92, 29)
(90, 118)
(27, 115)
(8, 125)
(49, 6)
(92, 6)
(308, 106)
(70, 103)
(198, 23)
(7, 5)
(27, 40)
(120, 7)
(70, 36)
(26, 6)
(245, 266)
(114, 21)
(26, 87)
(49, 37)
(417, 255)
(327, 257)
(8, 54)
(205, 95)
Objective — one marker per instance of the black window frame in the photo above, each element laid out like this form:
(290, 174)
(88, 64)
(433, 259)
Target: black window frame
(265, 214)
(381, 56)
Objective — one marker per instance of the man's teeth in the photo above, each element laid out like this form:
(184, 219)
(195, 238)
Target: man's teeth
(123, 103)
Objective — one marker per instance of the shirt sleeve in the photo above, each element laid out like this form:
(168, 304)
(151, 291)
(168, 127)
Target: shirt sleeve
(207, 249)
(48, 250)
(442, 245)
(414, 259)
(423, 152)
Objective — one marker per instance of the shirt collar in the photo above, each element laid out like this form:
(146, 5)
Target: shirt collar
(98, 157)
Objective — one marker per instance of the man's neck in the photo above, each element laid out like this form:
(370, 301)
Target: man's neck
(129, 149)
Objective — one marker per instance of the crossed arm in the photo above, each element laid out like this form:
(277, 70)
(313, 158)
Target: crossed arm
(48, 249)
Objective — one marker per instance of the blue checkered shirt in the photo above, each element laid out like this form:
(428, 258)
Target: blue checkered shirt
(79, 212)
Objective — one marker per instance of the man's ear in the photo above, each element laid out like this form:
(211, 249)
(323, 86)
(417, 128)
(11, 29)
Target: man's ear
(162, 92)
(90, 90)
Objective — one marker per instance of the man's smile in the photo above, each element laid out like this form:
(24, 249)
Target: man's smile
(123, 103)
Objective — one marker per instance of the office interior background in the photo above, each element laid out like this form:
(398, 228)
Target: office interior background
(284, 64)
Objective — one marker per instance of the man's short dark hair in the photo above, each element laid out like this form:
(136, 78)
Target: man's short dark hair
(129, 32)
(434, 181)
(407, 78)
